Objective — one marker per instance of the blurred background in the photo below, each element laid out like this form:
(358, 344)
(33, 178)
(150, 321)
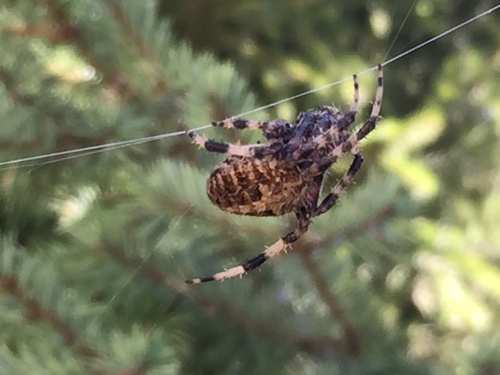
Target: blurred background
(402, 276)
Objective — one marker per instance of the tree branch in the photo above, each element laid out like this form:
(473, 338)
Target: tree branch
(351, 335)
(307, 343)
(305, 249)
(35, 312)
(354, 231)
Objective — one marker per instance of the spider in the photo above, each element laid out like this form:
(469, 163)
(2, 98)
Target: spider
(285, 174)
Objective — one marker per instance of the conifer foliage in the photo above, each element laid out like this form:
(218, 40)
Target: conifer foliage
(400, 277)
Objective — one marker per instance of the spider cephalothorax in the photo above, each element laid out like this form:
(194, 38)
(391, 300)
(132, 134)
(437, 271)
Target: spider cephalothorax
(285, 173)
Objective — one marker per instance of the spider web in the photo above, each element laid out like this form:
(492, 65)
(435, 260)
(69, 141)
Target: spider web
(85, 151)
(49, 158)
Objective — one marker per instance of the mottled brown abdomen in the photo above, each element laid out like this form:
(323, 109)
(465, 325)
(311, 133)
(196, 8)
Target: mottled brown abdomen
(257, 187)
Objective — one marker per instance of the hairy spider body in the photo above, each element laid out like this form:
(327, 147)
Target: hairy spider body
(280, 183)
(285, 174)
(256, 187)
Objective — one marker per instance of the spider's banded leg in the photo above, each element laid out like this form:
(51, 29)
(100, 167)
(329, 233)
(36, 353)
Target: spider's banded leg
(239, 123)
(368, 126)
(355, 101)
(351, 115)
(225, 148)
(272, 129)
(255, 262)
(330, 200)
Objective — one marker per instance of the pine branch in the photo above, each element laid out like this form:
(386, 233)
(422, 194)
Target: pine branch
(159, 88)
(351, 335)
(9, 83)
(141, 368)
(122, 18)
(26, 100)
(354, 231)
(61, 20)
(116, 80)
(307, 343)
(65, 140)
(35, 312)
(305, 248)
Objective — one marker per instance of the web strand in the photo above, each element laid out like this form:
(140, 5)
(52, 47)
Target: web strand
(443, 34)
(64, 155)
(127, 281)
(400, 29)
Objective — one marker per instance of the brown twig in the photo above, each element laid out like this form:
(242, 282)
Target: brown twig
(35, 312)
(305, 250)
(59, 19)
(65, 139)
(134, 37)
(115, 79)
(354, 231)
(351, 335)
(210, 305)
(14, 94)
(160, 86)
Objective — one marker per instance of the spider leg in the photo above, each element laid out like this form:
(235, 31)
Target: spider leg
(368, 126)
(350, 116)
(256, 261)
(239, 123)
(275, 129)
(330, 200)
(332, 136)
(225, 148)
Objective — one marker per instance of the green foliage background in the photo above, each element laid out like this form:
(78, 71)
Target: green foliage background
(400, 277)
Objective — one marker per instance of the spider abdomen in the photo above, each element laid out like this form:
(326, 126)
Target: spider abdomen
(257, 187)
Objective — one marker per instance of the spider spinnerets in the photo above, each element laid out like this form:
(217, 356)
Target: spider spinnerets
(285, 174)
